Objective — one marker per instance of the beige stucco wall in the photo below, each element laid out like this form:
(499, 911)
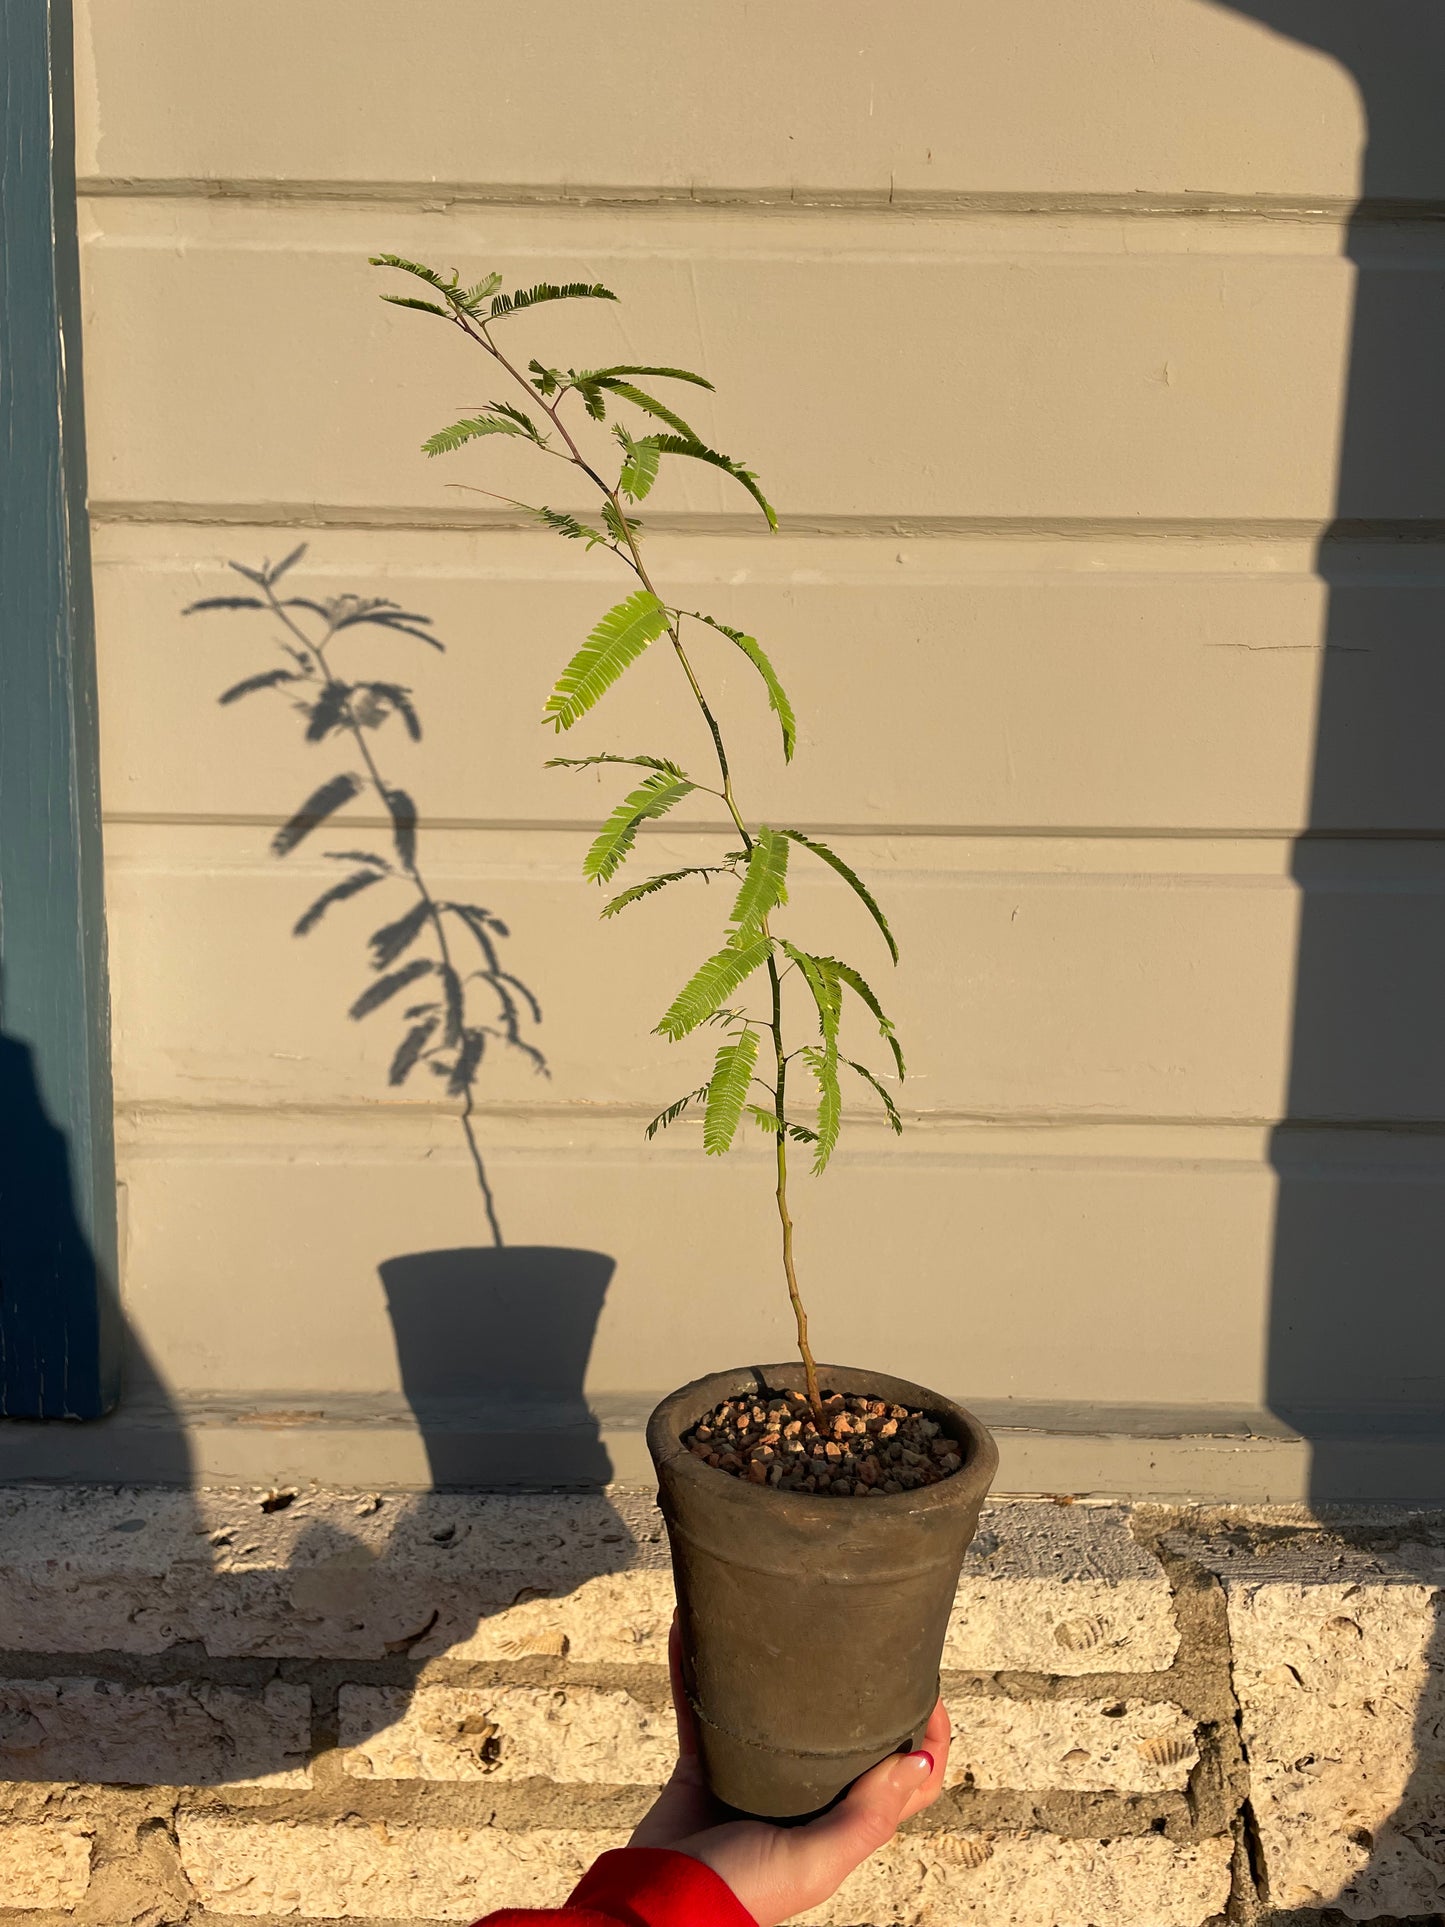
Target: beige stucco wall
(1036, 322)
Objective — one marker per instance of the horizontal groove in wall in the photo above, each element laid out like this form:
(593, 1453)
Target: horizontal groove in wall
(377, 1114)
(1023, 832)
(429, 195)
(1369, 531)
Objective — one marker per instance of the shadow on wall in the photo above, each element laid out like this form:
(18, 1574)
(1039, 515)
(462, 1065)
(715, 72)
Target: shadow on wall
(49, 1316)
(1357, 1315)
(493, 1348)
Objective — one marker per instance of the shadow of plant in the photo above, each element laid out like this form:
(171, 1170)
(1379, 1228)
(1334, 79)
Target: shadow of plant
(444, 952)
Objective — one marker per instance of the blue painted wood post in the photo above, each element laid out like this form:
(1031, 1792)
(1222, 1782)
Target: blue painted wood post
(59, 1315)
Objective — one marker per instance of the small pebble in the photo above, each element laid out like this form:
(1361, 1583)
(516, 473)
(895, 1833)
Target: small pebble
(864, 1447)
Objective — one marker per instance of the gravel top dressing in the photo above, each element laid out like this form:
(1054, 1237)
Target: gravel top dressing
(865, 1449)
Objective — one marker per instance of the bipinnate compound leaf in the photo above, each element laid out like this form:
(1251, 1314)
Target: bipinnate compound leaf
(824, 1066)
(777, 695)
(639, 465)
(727, 1091)
(895, 1122)
(854, 882)
(699, 452)
(653, 797)
(632, 368)
(639, 890)
(854, 980)
(675, 1110)
(764, 884)
(549, 291)
(770, 1122)
(711, 985)
(500, 420)
(649, 404)
(617, 641)
(322, 803)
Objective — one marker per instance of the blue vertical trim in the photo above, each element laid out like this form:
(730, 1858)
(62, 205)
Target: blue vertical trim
(59, 1317)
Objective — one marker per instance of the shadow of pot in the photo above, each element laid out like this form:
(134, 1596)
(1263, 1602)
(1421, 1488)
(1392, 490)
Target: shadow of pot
(812, 1628)
(493, 1347)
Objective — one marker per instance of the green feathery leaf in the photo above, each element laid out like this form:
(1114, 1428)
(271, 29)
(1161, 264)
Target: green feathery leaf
(639, 465)
(546, 381)
(412, 301)
(854, 882)
(698, 452)
(617, 641)
(639, 890)
(855, 983)
(618, 525)
(561, 523)
(415, 267)
(777, 695)
(472, 298)
(895, 1122)
(727, 1091)
(822, 976)
(711, 984)
(446, 440)
(634, 762)
(764, 884)
(647, 403)
(824, 1066)
(549, 291)
(655, 796)
(673, 374)
(768, 1121)
(675, 1110)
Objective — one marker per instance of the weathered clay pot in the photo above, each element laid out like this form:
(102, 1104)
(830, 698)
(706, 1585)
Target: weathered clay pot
(812, 1628)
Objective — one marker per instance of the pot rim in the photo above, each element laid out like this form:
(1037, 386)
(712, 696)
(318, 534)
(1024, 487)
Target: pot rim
(664, 1442)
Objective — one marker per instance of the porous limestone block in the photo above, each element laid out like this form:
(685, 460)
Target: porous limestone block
(43, 1866)
(189, 1734)
(360, 1872)
(1074, 1746)
(569, 1734)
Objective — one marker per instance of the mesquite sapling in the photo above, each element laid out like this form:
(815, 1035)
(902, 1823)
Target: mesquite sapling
(560, 402)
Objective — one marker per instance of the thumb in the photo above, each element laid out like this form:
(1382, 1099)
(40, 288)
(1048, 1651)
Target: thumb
(865, 1820)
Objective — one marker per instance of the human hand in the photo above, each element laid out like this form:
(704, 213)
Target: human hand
(776, 1872)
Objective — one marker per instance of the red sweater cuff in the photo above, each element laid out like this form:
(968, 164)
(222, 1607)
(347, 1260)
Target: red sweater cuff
(654, 1887)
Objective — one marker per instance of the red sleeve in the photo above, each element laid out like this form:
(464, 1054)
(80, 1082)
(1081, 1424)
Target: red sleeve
(640, 1887)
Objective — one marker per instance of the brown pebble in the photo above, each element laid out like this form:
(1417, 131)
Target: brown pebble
(950, 1463)
(758, 1474)
(891, 1485)
(843, 1487)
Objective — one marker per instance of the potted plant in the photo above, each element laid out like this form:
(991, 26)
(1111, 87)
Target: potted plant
(818, 1516)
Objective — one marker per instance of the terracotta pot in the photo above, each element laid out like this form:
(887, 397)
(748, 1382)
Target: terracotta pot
(812, 1627)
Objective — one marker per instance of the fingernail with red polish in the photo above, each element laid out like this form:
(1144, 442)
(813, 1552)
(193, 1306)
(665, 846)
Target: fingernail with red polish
(920, 1763)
